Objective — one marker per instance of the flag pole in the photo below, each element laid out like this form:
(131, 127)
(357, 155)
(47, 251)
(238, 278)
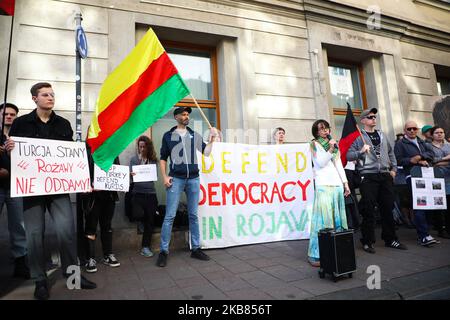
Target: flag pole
(201, 112)
(7, 78)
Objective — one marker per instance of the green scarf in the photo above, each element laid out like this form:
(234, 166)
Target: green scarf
(326, 145)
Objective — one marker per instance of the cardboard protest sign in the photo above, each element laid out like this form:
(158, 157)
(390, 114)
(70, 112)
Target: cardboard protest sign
(254, 194)
(116, 179)
(43, 167)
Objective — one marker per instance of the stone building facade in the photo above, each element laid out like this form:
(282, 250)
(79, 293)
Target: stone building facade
(269, 63)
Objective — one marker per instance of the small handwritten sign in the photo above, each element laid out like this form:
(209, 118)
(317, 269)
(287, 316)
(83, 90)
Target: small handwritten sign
(116, 179)
(144, 172)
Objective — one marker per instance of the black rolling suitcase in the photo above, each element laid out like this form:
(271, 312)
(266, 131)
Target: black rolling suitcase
(337, 253)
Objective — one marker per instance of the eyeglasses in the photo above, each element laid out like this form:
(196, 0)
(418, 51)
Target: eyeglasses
(371, 117)
(412, 129)
(46, 95)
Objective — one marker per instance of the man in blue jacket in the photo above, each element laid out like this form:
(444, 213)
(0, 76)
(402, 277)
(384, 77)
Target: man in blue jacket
(413, 151)
(181, 144)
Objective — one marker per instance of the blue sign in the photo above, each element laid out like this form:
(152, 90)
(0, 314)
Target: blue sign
(82, 46)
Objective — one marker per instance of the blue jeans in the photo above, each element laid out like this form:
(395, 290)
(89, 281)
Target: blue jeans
(420, 221)
(16, 228)
(192, 189)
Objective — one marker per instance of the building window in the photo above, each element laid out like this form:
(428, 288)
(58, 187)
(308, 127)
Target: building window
(443, 85)
(346, 86)
(198, 68)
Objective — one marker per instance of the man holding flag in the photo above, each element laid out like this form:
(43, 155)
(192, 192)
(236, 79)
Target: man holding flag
(141, 90)
(377, 165)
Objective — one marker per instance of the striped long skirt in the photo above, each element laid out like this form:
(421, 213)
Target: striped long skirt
(327, 199)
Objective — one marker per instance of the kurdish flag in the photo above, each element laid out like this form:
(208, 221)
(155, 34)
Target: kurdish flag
(142, 89)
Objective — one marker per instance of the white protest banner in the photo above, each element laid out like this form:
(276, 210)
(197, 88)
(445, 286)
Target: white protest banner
(145, 172)
(428, 194)
(116, 179)
(255, 194)
(43, 167)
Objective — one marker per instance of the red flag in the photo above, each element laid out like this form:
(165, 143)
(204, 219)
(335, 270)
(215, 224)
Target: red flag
(7, 7)
(349, 134)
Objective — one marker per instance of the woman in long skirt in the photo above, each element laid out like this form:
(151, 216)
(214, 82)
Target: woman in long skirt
(331, 186)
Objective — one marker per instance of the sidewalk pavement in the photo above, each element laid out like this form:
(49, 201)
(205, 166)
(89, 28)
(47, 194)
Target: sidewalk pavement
(269, 271)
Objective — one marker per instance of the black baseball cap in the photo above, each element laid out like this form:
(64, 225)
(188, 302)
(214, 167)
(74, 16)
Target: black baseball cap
(181, 110)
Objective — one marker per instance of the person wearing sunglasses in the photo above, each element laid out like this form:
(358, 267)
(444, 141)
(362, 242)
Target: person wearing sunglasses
(376, 163)
(413, 151)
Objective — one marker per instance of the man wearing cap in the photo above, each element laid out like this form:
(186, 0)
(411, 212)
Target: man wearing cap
(426, 133)
(181, 144)
(375, 161)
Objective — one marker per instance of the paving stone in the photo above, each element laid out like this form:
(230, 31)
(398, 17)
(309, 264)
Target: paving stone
(284, 273)
(178, 272)
(204, 292)
(315, 286)
(240, 267)
(191, 282)
(173, 293)
(262, 262)
(218, 275)
(288, 293)
(231, 284)
(246, 294)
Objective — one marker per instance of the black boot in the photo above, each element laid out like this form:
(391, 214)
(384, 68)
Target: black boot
(21, 269)
(41, 290)
(86, 284)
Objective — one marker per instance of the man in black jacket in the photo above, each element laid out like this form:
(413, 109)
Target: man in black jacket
(180, 144)
(44, 123)
(413, 151)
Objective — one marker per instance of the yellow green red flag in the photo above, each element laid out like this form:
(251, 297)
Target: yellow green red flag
(141, 90)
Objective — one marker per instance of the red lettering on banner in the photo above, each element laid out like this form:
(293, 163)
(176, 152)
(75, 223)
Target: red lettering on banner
(275, 190)
(202, 196)
(226, 190)
(303, 186)
(25, 185)
(212, 193)
(242, 186)
(264, 189)
(242, 193)
(284, 194)
(253, 200)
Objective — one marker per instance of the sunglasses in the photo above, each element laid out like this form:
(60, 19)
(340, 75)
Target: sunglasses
(412, 129)
(371, 117)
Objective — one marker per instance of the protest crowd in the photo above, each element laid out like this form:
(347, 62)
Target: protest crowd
(382, 173)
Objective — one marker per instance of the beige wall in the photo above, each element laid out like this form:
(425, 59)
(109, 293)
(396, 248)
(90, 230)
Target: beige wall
(428, 13)
(268, 74)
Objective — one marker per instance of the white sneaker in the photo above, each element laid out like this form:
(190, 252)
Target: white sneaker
(91, 266)
(110, 260)
(430, 238)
